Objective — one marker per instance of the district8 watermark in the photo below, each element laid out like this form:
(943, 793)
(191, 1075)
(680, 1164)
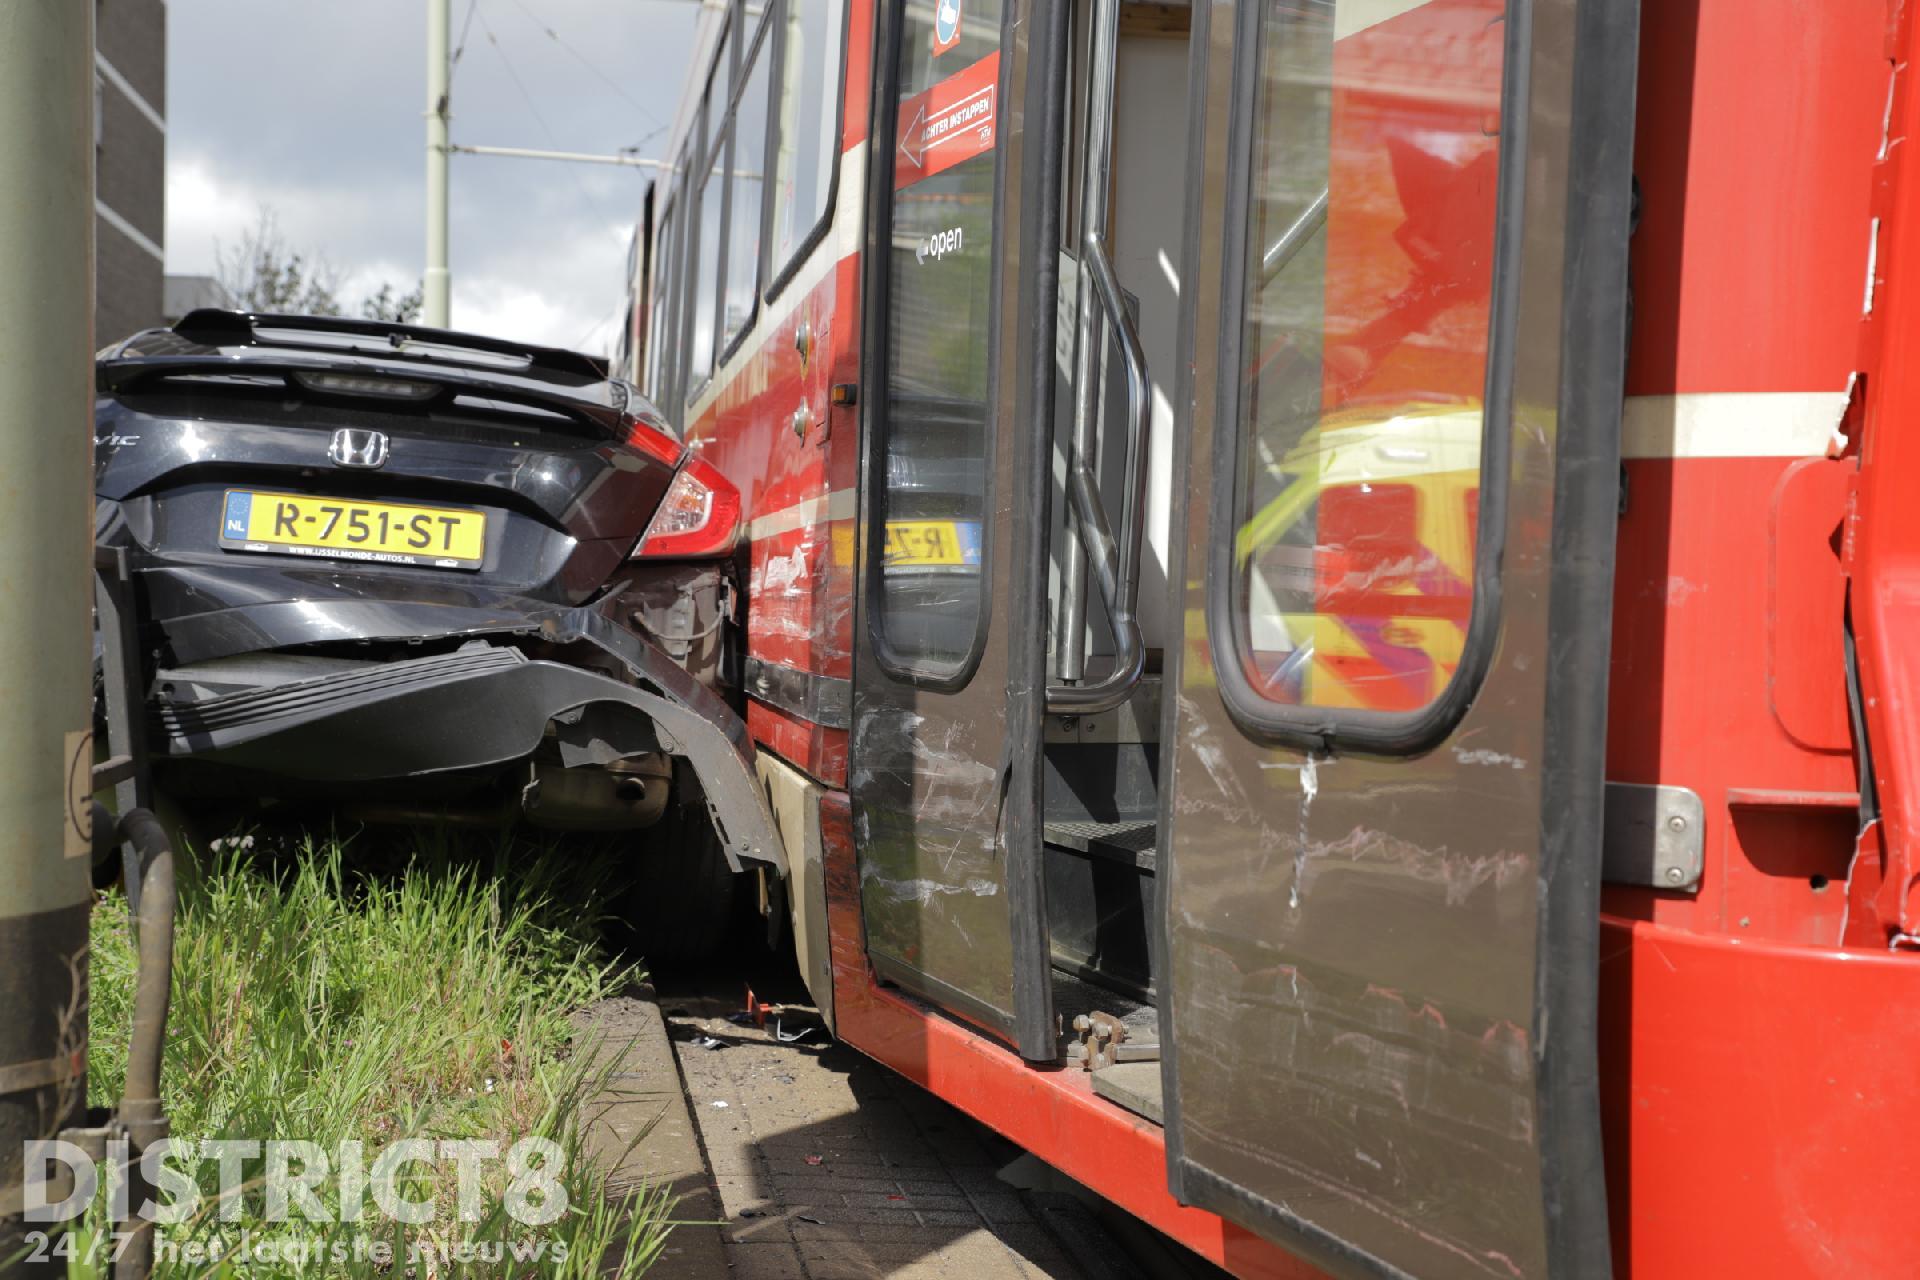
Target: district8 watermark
(291, 1175)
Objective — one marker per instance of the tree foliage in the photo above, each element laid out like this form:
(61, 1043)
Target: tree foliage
(400, 308)
(263, 273)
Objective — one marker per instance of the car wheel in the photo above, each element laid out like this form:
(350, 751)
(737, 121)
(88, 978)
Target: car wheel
(680, 908)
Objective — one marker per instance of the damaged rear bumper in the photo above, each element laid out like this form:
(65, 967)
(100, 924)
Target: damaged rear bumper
(485, 703)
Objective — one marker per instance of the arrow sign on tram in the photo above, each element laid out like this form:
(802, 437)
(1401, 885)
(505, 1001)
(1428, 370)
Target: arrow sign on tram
(913, 139)
(949, 122)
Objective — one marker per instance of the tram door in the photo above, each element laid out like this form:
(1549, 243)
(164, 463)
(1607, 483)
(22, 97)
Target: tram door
(945, 711)
(1404, 307)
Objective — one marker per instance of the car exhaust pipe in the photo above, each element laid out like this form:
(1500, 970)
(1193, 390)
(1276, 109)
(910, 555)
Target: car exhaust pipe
(624, 796)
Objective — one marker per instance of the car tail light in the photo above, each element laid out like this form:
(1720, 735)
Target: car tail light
(700, 516)
(654, 441)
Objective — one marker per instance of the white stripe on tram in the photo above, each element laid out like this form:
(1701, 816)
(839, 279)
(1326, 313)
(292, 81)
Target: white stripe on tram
(1732, 424)
(841, 504)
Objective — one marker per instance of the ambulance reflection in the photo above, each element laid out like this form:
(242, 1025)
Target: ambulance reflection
(1353, 580)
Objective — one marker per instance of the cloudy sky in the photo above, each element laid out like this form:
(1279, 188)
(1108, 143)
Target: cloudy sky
(315, 110)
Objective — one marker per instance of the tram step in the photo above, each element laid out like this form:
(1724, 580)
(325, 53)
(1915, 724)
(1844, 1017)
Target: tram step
(1134, 1085)
(1131, 843)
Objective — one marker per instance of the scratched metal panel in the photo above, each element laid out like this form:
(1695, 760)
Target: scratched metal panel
(932, 880)
(1352, 989)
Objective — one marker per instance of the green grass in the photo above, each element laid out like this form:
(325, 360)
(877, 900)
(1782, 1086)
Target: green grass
(323, 995)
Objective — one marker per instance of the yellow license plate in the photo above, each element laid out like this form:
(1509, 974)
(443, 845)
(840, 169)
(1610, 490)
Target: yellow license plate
(382, 532)
(931, 542)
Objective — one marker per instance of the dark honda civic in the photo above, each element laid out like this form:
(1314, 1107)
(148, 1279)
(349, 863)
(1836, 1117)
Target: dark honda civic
(422, 574)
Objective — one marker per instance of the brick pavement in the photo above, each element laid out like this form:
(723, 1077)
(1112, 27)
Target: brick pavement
(830, 1167)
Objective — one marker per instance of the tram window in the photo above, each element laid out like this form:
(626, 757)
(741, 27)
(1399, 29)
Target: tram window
(1362, 362)
(938, 318)
(746, 206)
(659, 340)
(719, 84)
(623, 353)
(673, 360)
(706, 276)
(808, 132)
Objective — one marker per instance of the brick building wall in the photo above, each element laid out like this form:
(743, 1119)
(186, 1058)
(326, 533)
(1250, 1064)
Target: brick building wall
(130, 160)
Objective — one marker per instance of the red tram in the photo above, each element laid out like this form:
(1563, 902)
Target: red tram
(1342, 564)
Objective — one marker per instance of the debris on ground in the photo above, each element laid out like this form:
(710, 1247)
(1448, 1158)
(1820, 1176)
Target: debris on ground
(828, 1165)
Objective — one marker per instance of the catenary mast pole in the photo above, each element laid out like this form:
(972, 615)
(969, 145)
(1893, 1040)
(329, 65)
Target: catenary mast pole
(438, 284)
(46, 584)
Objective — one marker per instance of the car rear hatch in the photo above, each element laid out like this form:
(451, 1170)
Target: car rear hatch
(321, 449)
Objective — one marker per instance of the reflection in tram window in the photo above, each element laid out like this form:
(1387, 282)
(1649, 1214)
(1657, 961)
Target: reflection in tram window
(939, 267)
(746, 199)
(806, 132)
(1368, 272)
(706, 278)
(659, 340)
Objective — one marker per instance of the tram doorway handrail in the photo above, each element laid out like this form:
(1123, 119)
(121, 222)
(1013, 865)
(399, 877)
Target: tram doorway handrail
(1115, 561)
(1294, 238)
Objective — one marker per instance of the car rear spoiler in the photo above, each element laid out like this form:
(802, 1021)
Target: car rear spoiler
(216, 328)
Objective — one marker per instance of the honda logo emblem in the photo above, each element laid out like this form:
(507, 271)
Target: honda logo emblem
(351, 448)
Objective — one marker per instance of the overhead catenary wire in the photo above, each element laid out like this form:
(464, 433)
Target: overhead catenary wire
(453, 63)
(660, 126)
(474, 11)
(645, 138)
(534, 111)
(602, 322)
(584, 61)
(526, 97)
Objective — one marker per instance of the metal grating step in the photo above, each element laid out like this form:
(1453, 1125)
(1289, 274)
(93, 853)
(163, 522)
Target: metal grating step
(1132, 842)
